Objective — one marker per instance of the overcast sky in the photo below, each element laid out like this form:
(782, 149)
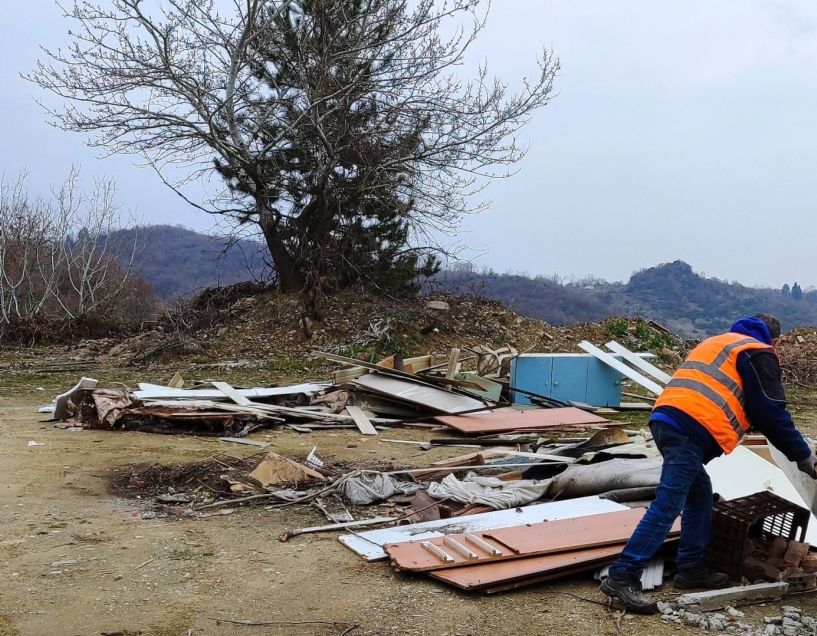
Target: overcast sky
(680, 131)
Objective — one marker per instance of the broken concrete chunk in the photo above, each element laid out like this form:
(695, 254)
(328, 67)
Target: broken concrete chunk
(716, 599)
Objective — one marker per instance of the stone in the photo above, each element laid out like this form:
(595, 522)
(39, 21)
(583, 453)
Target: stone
(716, 624)
(734, 613)
(693, 619)
(773, 620)
(665, 608)
(790, 622)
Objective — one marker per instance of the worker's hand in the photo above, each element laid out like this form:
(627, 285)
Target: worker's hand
(809, 465)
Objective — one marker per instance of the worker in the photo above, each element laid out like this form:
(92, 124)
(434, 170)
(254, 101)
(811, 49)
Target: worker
(728, 384)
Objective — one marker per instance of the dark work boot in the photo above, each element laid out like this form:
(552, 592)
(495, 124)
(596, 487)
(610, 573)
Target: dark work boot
(627, 589)
(700, 577)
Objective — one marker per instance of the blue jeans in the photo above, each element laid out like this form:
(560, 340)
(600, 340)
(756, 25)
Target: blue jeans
(684, 489)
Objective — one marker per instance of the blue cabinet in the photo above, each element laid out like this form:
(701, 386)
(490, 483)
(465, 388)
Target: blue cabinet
(569, 377)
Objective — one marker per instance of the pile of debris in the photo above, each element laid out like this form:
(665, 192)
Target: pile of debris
(528, 505)
(393, 391)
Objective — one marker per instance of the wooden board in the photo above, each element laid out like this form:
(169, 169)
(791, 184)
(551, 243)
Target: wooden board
(505, 575)
(369, 545)
(361, 421)
(511, 419)
(639, 362)
(530, 570)
(622, 368)
(521, 541)
(410, 391)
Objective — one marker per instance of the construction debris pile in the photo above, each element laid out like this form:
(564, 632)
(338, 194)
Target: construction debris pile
(539, 498)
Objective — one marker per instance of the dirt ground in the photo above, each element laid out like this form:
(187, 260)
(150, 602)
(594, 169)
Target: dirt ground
(75, 560)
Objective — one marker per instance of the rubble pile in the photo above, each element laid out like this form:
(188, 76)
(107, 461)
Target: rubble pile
(792, 621)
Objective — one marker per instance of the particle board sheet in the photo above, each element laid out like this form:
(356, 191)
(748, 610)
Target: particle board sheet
(510, 419)
(516, 542)
(424, 395)
(369, 544)
(504, 575)
(476, 577)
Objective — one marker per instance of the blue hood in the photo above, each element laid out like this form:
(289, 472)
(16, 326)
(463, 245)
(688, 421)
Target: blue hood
(752, 327)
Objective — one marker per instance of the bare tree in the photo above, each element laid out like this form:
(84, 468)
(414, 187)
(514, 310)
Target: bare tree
(56, 260)
(342, 128)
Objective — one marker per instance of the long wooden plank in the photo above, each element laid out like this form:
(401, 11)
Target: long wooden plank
(369, 545)
(622, 368)
(361, 421)
(511, 419)
(638, 361)
(528, 540)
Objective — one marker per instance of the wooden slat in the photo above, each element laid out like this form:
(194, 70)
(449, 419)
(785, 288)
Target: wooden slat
(511, 419)
(638, 361)
(231, 393)
(622, 368)
(361, 421)
(529, 540)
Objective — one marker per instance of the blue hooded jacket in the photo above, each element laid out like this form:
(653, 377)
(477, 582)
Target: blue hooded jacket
(765, 401)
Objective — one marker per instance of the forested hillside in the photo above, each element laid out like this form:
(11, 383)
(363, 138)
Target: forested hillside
(672, 294)
(175, 260)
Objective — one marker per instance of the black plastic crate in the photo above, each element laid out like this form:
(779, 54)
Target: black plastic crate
(761, 517)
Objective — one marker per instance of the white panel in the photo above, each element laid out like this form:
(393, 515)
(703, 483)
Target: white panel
(424, 395)
(622, 368)
(370, 544)
(156, 392)
(637, 361)
(743, 473)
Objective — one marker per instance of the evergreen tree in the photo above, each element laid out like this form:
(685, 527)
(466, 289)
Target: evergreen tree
(796, 292)
(786, 291)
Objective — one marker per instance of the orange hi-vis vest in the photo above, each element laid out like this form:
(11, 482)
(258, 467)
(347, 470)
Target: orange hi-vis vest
(708, 388)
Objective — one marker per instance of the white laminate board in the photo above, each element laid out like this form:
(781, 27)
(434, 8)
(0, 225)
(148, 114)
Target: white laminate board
(156, 392)
(622, 368)
(637, 361)
(805, 486)
(424, 395)
(743, 473)
(370, 544)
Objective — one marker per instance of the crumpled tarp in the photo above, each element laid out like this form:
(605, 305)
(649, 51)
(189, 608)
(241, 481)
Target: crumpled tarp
(582, 480)
(489, 491)
(370, 487)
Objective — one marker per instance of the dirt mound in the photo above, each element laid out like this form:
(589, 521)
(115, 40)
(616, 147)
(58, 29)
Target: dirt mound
(798, 356)
(246, 325)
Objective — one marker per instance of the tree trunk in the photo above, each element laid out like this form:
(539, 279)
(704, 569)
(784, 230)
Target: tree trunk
(290, 278)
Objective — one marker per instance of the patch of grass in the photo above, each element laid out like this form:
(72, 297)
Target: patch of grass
(616, 327)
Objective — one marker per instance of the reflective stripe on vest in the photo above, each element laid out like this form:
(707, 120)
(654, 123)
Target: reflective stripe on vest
(715, 398)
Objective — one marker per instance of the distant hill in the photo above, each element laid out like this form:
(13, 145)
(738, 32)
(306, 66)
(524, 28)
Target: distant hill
(672, 294)
(175, 260)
